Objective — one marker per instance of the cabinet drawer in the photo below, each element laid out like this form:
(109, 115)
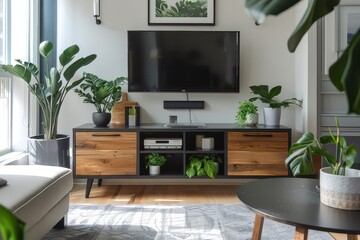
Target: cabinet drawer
(105, 153)
(105, 140)
(105, 162)
(258, 141)
(257, 153)
(257, 163)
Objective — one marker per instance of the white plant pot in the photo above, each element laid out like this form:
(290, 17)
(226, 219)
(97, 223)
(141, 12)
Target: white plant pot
(252, 119)
(340, 191)
(154, 170)
(272, 116)
(132, 120)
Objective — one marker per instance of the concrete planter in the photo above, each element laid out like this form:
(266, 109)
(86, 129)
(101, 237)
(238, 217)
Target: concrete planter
(101, 119)
(54, 152)
(341, 192)
(252, 119)
(272, 116)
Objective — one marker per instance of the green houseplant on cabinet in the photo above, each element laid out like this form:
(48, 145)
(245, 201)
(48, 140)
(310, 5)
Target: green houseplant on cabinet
(337, 182)
(154, 161)
(247, 114)
(272, 114)
(203, 165)
(103, 94)
(50, 148)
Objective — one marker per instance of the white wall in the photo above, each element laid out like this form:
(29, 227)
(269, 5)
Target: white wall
(264, 58)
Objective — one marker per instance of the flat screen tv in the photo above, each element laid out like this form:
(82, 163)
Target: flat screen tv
(183, 61)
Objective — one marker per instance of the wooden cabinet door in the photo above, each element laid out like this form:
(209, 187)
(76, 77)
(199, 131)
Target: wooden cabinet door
(105, 153)
(257, 153)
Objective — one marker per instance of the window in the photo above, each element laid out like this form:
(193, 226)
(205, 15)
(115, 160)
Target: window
(5, 113)
(5, 85)
(2, 28)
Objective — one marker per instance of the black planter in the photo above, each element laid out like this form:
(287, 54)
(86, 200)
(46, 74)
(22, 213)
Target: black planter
(101, 119)
(53, 152)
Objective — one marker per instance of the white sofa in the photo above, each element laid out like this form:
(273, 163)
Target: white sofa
(38, 195)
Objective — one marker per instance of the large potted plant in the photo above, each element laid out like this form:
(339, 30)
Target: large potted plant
(247, 114)
(50, 148)
(339, 185)
(103, 94)
(272, 114)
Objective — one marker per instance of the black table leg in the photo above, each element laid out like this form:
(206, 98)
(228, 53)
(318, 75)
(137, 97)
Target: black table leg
(89, 183)
(99, 182)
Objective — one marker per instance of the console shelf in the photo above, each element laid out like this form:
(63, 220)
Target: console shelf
(245, 151)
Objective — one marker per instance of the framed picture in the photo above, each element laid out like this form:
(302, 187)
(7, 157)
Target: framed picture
(181, 12)
(348, 22)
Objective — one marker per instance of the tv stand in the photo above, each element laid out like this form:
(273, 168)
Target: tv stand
(118, 152)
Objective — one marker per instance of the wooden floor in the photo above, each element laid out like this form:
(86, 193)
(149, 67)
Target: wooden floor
(159, 194)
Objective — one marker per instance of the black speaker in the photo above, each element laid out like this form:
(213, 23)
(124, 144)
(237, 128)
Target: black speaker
(184, 104)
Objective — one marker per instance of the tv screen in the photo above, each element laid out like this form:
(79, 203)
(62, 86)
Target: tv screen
(183, 61)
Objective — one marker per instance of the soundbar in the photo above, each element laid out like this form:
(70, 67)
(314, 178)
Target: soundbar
(184, 104)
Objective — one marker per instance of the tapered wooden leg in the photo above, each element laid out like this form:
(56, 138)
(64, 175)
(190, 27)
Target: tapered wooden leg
(353, 237)
(301, 233)
(258, 225)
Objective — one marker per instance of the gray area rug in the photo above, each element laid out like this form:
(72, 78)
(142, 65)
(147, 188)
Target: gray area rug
(163, 222)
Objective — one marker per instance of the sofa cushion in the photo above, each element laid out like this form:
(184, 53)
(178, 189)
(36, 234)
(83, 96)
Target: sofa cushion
(33, 190)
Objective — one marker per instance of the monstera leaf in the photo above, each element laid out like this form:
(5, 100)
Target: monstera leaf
(344, 73)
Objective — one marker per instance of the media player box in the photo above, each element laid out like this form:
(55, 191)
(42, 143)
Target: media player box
(162, 143)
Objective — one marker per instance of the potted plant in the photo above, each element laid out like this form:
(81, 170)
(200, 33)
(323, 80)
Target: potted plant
(338, 183)
(11, 227)
(132, 116)
(154, 161)
(102, 93)
(247, 114)
(50, 94)
(203, 165)
(272, 114)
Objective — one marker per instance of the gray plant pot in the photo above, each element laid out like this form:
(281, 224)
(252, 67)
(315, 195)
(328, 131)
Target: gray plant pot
(272, 116)
(101, 119)
(54, 152)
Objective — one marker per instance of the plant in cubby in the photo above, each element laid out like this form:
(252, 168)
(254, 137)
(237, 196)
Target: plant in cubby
(203, 165)
(154, 161)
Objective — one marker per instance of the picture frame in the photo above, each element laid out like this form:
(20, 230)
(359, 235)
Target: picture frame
(347, 19)
(178, 12)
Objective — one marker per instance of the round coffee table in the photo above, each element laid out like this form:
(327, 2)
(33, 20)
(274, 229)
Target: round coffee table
(296, 201)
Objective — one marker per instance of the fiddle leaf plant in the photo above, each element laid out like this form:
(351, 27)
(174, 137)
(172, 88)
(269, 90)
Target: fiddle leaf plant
(102, 93)
(301, 153)
(344, 73)
(51, 93)
(268, 96)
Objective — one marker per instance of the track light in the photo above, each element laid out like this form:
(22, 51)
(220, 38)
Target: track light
(96, 8)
